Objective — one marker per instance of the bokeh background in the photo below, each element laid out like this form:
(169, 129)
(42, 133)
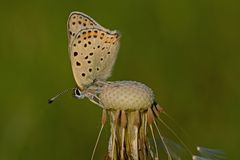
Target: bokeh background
(187, 51)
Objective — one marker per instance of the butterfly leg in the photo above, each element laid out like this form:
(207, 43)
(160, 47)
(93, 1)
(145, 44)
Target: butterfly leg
(94, 99)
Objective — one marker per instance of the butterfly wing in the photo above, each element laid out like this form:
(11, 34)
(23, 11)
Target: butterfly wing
(93, 49)
(108, 51)
(78, 21)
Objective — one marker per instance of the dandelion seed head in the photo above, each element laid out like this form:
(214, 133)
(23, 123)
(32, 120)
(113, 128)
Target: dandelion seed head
(126, 95)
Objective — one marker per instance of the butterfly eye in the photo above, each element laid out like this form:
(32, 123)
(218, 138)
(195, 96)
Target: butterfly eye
(77, 93)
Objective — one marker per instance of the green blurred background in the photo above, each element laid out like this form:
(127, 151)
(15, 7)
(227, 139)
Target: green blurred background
(187, 51)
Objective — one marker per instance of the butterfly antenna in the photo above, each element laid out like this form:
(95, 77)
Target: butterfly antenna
(104, 119)
(58, 95)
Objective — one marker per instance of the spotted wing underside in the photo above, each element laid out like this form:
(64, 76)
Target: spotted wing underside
(93, 49)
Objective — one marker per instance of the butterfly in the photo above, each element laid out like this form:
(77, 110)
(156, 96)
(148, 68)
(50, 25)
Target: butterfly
(93, 50)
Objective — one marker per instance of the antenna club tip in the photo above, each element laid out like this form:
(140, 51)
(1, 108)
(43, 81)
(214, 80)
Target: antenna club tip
(50, 101)
(60, 94)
